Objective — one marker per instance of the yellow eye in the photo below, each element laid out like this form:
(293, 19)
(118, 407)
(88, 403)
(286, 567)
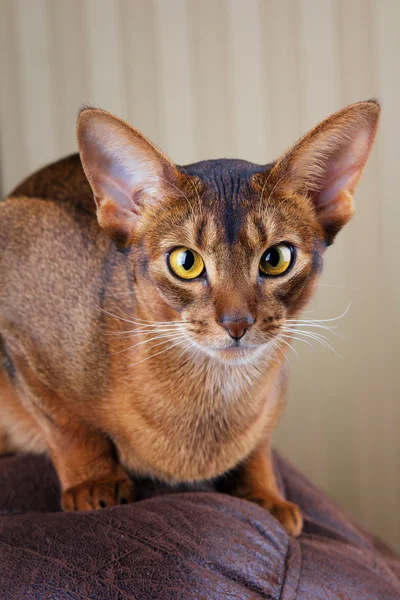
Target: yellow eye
(276, 260)
(185, 263)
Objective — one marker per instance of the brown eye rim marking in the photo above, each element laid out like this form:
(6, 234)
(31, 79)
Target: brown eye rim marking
(293, 255)
(199, 269)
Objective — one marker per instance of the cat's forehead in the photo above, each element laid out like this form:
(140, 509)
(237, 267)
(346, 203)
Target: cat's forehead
(225, 180)
(227, 194)
(236, 170)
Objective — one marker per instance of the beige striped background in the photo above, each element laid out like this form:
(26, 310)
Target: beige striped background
(244, 78)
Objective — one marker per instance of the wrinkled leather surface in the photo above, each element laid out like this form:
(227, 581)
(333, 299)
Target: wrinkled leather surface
(183, 545)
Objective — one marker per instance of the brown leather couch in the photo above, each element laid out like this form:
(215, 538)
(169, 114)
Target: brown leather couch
(181, 544)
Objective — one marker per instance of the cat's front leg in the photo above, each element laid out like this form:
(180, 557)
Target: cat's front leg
(89, 472)
(88, 469)
(256, 482)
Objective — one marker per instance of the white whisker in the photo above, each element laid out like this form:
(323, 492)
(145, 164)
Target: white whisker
(144, 331)
(136, 322)
(161, 352)
(170, 336)
(333, 285)
(165, 338)
(314, 336)
(113, 315)
(328, 320)
(275, 346)
(287, 344)
(148, 321)
(311, 334)
(296, 324)
(292, 337)
(193, 348)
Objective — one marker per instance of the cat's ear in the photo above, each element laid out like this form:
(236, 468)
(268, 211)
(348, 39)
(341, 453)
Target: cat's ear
(126, 172)
(326, 164)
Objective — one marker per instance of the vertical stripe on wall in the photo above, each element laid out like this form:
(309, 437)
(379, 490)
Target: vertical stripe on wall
(246, 80)
(177, 78)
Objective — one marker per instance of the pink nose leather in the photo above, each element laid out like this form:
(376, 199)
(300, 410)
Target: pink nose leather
(236, 327)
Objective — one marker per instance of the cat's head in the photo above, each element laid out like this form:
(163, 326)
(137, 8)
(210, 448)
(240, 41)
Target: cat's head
(228, 248)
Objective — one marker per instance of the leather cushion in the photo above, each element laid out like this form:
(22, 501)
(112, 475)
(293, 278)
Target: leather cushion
(182, 543)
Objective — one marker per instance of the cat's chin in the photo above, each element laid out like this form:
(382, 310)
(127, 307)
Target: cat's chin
(236, 354)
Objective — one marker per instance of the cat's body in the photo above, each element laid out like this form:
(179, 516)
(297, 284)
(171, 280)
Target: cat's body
(78, 354)
(109, 359)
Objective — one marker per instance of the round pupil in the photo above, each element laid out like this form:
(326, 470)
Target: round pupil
(186, 260)
(273, 257)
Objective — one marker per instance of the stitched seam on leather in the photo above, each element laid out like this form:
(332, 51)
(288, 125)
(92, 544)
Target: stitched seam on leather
(293, 560)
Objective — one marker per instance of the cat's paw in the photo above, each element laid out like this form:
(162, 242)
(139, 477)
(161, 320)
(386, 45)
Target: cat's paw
(93, 495)
(287, 513)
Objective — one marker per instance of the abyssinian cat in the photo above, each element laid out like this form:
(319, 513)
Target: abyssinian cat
(145, 331)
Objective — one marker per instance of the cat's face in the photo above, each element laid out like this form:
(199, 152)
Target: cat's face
(229, 261)
(228, 249)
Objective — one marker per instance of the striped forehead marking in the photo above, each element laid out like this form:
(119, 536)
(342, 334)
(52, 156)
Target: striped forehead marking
(226, 193)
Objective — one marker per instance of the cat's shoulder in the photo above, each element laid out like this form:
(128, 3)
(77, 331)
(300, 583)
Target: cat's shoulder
(63, 181)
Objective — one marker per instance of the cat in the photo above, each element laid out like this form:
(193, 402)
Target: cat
(146, 331)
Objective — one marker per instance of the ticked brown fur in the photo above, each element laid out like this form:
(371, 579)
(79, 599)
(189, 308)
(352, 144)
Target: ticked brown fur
(111, 364)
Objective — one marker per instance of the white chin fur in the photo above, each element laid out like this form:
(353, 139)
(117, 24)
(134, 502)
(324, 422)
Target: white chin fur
(237, 356)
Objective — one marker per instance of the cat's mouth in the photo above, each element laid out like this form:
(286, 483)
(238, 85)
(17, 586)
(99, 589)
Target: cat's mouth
(237, 351)
(237, 345)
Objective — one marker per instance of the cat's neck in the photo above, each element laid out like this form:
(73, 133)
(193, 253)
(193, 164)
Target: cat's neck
(177, 401)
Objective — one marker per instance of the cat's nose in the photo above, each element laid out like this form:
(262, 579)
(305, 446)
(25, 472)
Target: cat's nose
(236, 327)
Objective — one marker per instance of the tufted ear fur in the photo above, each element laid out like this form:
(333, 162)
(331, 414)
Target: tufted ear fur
(326, 164)
(126, 172)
